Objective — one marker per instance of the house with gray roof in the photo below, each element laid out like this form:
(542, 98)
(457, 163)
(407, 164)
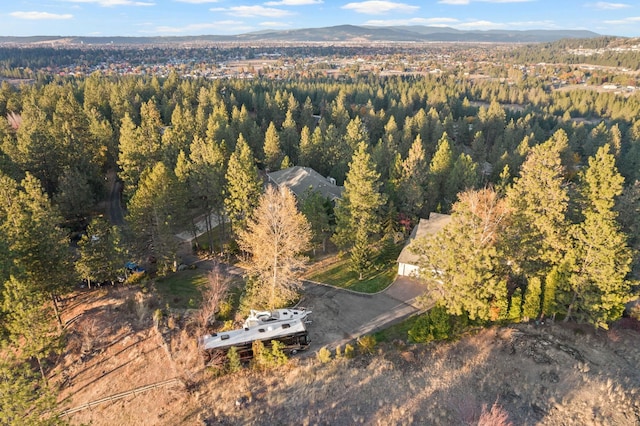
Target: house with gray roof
(408, 261)
(298, 179)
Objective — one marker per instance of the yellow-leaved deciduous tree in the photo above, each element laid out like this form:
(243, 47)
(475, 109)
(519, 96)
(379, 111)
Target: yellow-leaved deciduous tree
(276, 236)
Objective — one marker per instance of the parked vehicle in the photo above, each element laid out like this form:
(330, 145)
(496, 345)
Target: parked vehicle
(292, 333)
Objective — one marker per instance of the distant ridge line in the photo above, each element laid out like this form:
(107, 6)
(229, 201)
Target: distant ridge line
(335, 34)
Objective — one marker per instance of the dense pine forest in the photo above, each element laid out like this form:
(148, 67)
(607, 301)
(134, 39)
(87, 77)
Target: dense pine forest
(542, 183)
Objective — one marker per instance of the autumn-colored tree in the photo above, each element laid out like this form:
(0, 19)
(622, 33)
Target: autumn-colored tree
(276, 236)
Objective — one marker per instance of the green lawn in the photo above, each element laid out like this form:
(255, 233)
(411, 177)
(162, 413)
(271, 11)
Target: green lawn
(399, 331)
(339, 275)
(181, 290)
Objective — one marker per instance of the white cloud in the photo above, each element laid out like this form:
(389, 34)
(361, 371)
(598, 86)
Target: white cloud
(293, 2)
(272, 24)
(216, 27)
(604, 5)
(197, 1)
(111, 3)
(40, 15)
(433, 22)
(625, 21)
(465, 2)
(379, 7)
(481, 25)
(546, 25)
(251, 11)
(185, 29)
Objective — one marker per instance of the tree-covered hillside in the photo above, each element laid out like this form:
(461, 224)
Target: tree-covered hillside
(541, 183)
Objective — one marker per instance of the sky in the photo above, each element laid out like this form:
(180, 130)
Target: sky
(222, 17)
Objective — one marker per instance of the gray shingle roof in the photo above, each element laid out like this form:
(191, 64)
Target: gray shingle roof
(425, 227)
(298, 179)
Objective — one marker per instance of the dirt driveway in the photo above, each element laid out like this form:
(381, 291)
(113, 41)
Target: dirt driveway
(340, 316)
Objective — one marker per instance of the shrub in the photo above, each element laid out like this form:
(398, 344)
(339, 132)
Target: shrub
(496, 416)
(225, 309)
(227, 325)
(324, 355)
(136, 278)
(635, 311)
(265, 358)
(433, 325)
(157, 317)
(338, 352)
(532, 299)
(367, 344)
(171, 322)
(233, 357)
(349, 351)
(278, 357)
(515, 310)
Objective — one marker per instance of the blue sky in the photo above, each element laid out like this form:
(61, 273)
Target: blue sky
(195, 17)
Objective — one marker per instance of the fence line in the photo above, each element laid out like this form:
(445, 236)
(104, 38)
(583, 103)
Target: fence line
(120, 396)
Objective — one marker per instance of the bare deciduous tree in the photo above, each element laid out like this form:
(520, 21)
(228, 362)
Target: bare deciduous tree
(215, 292)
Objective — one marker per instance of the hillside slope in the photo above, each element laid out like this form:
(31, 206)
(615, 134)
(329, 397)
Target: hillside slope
(549, 375)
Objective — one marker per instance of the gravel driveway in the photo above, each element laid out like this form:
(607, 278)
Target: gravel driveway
(340, 316)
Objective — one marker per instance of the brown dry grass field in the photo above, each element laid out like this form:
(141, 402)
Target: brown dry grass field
(545, 375)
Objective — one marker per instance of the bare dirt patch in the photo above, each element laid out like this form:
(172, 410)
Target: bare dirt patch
(549, 375)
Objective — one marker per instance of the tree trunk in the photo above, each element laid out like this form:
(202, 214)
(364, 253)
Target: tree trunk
(570, 310)
(56, 311)
(210, 232)
(44, 377)
(275, 279)
(221, 221)
(195, 236)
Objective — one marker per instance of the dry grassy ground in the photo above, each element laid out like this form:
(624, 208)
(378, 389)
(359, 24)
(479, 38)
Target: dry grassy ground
(548, 375)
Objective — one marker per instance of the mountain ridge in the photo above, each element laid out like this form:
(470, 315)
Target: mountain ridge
(335, 34)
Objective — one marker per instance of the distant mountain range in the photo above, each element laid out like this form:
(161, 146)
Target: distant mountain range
(337, 34)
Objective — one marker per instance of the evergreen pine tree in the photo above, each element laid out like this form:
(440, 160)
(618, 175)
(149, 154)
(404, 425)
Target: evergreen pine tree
(273, 154)
(599, 257)
(359, 207)
(243, 187)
